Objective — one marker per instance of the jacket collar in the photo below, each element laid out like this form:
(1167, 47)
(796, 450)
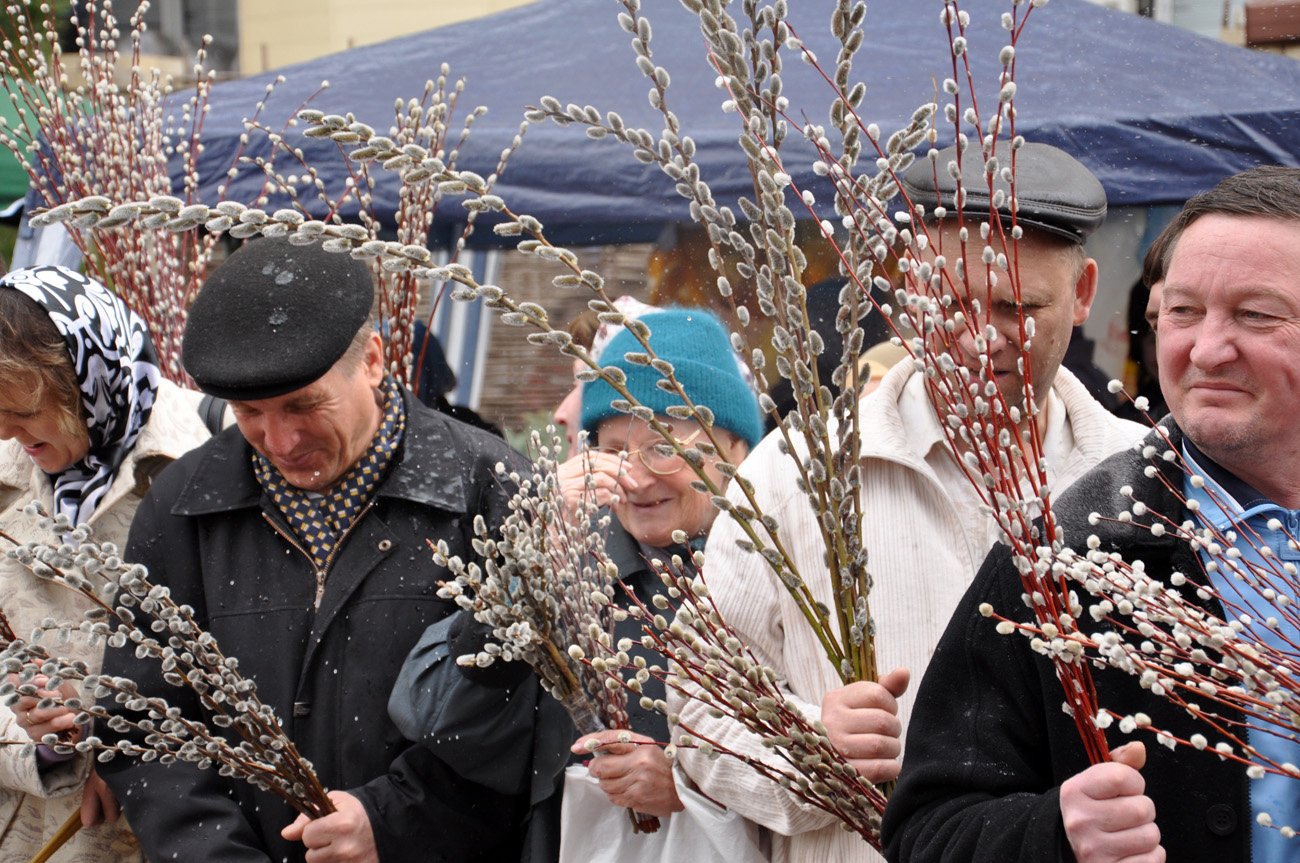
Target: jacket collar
(1099, 491)
(427, 471)
(16, 468)
(886, 436)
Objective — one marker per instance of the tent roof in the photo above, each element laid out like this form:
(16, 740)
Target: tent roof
(1158, 113)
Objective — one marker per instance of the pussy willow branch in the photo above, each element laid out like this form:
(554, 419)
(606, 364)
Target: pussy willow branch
(189, 658)
(709, 662)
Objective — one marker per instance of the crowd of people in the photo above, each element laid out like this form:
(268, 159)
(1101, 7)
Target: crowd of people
(299, 534)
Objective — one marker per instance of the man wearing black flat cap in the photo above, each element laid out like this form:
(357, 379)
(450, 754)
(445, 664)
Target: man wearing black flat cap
(925, 528)
(300, 539)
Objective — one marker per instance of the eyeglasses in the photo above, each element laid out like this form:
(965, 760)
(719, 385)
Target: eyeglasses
(659, 458)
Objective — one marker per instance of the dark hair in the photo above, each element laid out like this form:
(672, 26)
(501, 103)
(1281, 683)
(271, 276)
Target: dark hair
(34, 358)
(584, 327)
(1153, 264)
(1269, 191)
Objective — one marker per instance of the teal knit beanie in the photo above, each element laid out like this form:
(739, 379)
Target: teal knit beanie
(697, 345)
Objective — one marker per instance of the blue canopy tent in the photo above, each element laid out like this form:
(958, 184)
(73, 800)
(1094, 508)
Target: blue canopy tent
(1157, 113)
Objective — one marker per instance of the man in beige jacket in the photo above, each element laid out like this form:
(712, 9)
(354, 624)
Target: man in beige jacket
(923, 524)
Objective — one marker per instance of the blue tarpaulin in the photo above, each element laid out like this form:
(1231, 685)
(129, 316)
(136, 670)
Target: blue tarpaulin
(1156, 112)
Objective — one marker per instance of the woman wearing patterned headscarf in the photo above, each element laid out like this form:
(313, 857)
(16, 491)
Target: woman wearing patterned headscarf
(85, 422)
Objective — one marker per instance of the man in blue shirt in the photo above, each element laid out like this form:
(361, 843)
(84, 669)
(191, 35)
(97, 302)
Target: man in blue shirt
(995, 770)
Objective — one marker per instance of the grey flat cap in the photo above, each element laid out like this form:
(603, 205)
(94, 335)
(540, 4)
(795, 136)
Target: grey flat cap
(1054, 191)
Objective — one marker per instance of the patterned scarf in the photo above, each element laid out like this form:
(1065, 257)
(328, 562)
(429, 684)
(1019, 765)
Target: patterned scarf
(321, 520)
(117, 373)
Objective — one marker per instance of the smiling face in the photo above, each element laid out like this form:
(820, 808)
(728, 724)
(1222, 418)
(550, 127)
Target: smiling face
(661, 504)
(315, 434)
(41, 427)
(1057, 286)
(1229, 344)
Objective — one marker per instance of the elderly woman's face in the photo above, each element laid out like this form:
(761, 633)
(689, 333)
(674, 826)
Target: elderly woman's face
(663, 502)
(40, 432)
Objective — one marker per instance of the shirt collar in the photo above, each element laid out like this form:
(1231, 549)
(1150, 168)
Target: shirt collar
(1224, 499)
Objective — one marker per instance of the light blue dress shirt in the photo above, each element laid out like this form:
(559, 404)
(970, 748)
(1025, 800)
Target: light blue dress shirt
(1247, 512)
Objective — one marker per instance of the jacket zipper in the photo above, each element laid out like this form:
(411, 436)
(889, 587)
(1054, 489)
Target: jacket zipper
(323, 571)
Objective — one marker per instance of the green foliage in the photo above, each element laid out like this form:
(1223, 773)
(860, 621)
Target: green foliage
(59, 10)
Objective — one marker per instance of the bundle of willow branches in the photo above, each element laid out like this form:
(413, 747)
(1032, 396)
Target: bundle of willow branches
(240, 735)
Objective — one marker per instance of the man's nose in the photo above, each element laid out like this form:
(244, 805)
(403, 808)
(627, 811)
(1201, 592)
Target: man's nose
(1213, 344)
(279, 436)
(978, 339)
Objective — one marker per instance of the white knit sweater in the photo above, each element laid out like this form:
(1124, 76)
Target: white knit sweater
(922, 558)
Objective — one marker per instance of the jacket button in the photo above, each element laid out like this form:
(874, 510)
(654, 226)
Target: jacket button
(1221, 819)
(385, 544)
(302, 708)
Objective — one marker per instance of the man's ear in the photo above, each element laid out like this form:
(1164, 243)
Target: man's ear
(372, 362)
(1085, 291)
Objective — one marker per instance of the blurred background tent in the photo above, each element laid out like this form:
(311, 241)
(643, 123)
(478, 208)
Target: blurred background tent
(13, 177)
(1158, 113)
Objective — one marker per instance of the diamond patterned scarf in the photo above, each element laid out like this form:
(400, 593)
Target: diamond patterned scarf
(321, 520)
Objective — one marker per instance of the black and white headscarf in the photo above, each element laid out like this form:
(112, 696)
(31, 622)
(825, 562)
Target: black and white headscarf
(117, 372)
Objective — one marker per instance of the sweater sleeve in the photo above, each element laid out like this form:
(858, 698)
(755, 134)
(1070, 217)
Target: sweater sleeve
(977, 783)
(748, 596)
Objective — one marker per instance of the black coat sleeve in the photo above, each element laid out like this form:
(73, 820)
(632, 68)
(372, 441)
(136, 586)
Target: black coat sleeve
(977, 783)
(462, 718)
(177, 811)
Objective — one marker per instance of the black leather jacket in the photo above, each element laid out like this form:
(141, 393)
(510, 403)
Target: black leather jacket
(207, 532)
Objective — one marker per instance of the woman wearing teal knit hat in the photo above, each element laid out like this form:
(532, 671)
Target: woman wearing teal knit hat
(655, 498)
(514, 732)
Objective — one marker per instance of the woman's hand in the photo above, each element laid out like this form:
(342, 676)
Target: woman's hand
(40, 721)
(609, 477)
(632, 770)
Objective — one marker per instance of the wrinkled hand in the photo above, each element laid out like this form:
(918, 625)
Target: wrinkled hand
(98, 805)
(1107, 816)
(40, 721)
(861, 722)
(343, 836)
(635, 774)
(609, 477)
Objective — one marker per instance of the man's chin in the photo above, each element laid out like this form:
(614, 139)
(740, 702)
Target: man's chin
(1217, 436)
(308, 479)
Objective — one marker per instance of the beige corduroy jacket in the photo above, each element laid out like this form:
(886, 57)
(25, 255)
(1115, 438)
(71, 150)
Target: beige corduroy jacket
(921, 561)
(33, 805)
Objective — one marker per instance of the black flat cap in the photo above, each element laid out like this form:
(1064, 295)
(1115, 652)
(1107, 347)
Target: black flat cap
(273, 318)
(1054, 191)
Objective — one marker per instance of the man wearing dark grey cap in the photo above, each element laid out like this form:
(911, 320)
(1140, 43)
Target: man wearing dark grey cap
(301, 540)
(925, 528)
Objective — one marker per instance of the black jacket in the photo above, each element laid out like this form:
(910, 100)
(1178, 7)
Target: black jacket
(989, 745)
(207, 531)
(504, 731)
